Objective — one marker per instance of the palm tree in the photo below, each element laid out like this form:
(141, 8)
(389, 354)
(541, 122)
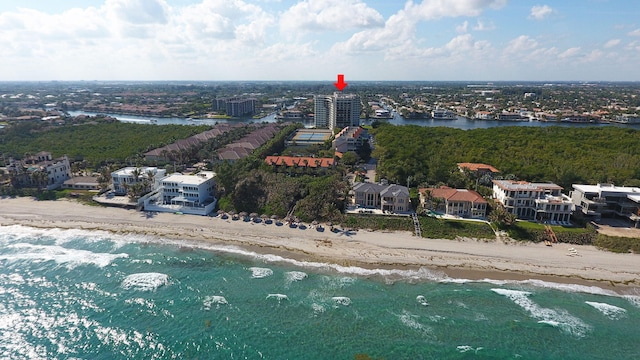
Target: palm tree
(104, 178)
(150, 180)
(136, 173)
(40, 178)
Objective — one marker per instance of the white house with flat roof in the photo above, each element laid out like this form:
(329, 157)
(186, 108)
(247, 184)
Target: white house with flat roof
(596, 201)
(187, 194)
(130, 175)
(542, 202)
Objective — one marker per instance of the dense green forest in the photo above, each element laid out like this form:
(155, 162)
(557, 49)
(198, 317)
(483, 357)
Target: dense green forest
(564, 155)
(96, 142)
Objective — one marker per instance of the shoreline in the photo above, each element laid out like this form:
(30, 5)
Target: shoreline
(463, 258)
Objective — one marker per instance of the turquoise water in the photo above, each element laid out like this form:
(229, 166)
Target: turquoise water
(71, 294)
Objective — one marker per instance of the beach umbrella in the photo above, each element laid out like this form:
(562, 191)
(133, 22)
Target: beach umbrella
(264, 216)
(253, 215)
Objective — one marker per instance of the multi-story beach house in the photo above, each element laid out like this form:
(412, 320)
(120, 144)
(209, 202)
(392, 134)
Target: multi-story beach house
(389, 198)
(131, 175)
(542, 202)
(596, 201)
(40, 170)
(455, 202)
(186, 194)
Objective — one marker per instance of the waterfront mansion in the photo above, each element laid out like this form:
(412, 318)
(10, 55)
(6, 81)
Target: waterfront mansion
(543, 202)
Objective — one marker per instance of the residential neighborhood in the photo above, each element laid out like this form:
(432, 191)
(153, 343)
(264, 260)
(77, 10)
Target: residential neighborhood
(315, 135)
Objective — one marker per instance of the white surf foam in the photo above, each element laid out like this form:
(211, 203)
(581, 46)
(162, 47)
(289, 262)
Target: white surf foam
(145, 281)
(419, 274)
(608, 310)
(341, 300)
(259, 273)
(467, 348)
(557, 318)
(317, 308)
(422, 300)
(633, 299)
(572, 288)
(216, 300)
(278, 297)
(16, 233)
(70, 258)
(292, 276)
(412, 321)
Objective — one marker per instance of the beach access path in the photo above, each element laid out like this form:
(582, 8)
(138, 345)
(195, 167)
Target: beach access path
(468, 258)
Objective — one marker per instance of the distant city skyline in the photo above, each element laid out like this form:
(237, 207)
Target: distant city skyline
(220, 40)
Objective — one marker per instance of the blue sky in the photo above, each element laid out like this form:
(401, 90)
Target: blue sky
(479, 40)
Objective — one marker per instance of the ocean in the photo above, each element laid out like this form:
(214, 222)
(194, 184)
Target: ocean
(77, 294)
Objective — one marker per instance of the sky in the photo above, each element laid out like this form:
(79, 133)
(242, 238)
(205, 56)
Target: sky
(219, 40)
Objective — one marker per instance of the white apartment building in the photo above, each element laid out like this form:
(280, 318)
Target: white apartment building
(187, 194)
(337, 111)
(130, 175)
(542, 202)
(349, 139)
(322, 110)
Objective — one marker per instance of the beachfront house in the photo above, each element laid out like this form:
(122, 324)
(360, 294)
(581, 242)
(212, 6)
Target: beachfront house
(606, 200)
(455, 202)
(123, 178)
(542, 202)
(186, 194)
(388, 198)
(40, 170)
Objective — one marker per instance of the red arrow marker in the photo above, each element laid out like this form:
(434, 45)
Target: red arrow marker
(340, 84)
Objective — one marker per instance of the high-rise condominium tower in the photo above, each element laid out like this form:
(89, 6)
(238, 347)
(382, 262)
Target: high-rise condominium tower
(337, 111)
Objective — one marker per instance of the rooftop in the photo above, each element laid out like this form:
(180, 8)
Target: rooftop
(478, 167)
(195, 179)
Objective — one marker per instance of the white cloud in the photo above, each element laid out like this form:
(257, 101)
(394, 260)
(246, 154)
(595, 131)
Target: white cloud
(282, 52)
(569, 53)
(611, 43)
(521, 44)
(139, 11)
(329, 15)
(463, 28)
(594, 55)
(436, 9)
(540, 12)
(482, 26)
(399, 32)
(635, 32)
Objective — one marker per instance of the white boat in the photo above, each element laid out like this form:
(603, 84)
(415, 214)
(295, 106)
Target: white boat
(443, 114)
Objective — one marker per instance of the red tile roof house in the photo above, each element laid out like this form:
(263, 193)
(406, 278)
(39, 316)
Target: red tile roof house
(455, 202)
(478, 169)
(306, 163)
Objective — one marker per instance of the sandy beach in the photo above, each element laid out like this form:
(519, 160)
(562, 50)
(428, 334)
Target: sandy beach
(462, 258)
